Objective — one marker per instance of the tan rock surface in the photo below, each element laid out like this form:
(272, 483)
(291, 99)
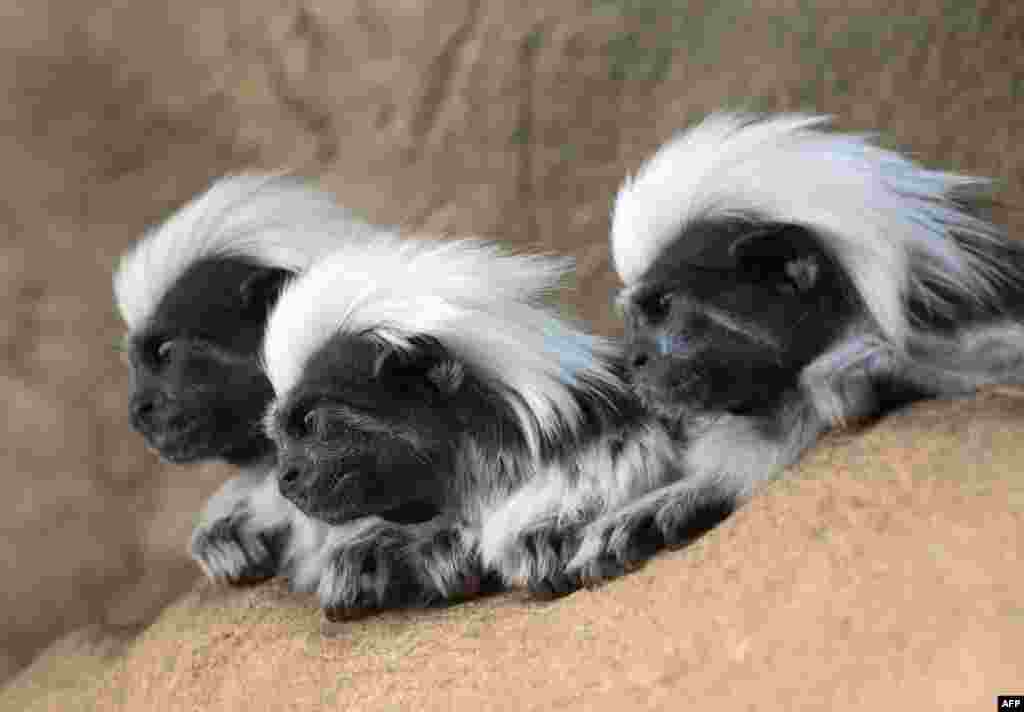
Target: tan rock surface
(510, 119)
(883, 573)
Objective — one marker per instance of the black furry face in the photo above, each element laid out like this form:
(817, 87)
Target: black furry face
(197, 388)
(368, 430)
(730, 328)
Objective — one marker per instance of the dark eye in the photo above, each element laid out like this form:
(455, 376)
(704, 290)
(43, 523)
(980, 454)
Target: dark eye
(311, 422)
(655, 307)
(163, 350)
(305, 422)
(302, 423)
(158, 351)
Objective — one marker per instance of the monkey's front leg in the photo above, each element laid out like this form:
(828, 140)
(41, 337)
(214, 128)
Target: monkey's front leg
(536, 557)
(667, 517)
(556, 554)
(720, 469)
(840, 382)
(371, 564)
(243, 530)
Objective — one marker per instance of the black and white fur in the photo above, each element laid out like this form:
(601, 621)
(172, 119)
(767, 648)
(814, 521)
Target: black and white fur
(780, 279)
(195, 293)
(450, 425)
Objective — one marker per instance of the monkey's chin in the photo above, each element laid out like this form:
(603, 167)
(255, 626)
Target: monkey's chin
(411, 512)
(681, 401)
(181, 447)
(183, 455)
(697, 399)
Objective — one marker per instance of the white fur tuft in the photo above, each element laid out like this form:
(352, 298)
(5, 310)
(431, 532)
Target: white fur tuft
(484, 305)
(889, 221)
(273, 220)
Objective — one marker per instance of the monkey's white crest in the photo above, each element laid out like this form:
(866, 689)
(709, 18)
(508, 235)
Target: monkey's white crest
(487, 307)
(892, 224)
(274, 220)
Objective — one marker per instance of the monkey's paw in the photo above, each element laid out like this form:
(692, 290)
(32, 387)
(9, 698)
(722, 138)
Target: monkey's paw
(364, 571)
(449, 567)
(614, 546)
(233, 549)
(537, 559)
(623, 541)
(377, 564)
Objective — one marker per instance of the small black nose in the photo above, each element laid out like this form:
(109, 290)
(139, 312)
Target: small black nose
(144, 406)
(640, 360)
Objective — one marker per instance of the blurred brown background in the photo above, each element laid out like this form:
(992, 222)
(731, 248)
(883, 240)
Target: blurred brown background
(515, 120)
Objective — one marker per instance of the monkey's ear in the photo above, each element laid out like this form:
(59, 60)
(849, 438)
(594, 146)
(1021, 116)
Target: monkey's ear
(425, 360)
(260, 290)
(803, 272)
(787, 253)
(447, 375)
